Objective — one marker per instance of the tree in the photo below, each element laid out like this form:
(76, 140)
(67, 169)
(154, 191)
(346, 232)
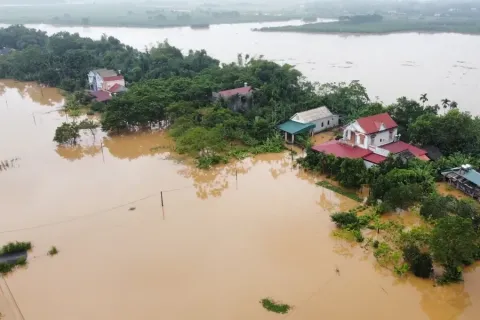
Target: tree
(445, 104)
(423, 98)
(453, 243)
(67, 133)
(453, 105)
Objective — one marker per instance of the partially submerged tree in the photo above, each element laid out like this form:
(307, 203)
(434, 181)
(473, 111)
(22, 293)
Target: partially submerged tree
(67, 133)
(453, 244)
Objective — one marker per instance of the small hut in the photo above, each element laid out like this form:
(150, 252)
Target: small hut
(465, 179)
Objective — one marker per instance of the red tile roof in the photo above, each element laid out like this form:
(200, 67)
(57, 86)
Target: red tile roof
(372, 124)
(232, 92)
(374, 158)
(399, 146)
(113, 78)
(101, 96)
(115, 88)
(341, 150)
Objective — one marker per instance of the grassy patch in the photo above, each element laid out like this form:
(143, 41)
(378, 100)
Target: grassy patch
(53, 251)
(349, 194)
(274, 306)
(6, 268)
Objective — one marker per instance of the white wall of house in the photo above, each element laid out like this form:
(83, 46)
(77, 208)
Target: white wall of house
(108, 84)
(368, 164)
(325, 123)
(382, 138)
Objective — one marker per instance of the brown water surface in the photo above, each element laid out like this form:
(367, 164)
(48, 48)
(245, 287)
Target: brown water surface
(224, 239)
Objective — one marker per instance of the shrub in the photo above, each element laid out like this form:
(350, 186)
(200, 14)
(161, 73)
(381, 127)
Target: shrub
(90, 113)
(358, 235)
(273, 306)
(16, 247)
(345, 219)
(206, 161)
(98, 107)
(375, 244)
(53, 251)
(420, 262)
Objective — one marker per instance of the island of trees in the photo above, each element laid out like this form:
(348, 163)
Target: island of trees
(168, 89)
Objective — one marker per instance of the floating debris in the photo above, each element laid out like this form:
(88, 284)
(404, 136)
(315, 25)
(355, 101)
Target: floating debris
(132, 209)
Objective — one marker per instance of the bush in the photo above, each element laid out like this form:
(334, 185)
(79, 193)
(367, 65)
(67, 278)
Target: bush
(15, 247)
(358, 235)
(420, 263)
(274, 306)
(98, 107)
(90, 113)
(345, 219)
(206, 161)
(53, 251)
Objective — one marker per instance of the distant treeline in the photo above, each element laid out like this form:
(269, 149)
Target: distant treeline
(386, 26)
(123, 15)
(364, 18)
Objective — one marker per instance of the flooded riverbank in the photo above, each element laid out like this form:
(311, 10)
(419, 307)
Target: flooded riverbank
(217, 247)
(441, 65)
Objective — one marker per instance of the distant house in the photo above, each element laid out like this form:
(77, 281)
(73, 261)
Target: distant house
(321, 117)
(372, 139)
(117, 88)
(101, 96)
(464, 178)
(238, 99)
(104, 79)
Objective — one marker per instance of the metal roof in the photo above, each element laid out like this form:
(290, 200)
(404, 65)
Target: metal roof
(312, 115)
(294, 127)
(472, 176)
(106, 73)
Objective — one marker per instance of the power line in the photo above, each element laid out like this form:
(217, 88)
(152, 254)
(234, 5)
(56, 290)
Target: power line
(94, 213)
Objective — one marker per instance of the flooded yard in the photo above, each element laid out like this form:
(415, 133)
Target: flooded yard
(224, 239)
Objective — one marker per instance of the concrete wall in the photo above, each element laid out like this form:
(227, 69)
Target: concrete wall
(382, 138)
(325, 123)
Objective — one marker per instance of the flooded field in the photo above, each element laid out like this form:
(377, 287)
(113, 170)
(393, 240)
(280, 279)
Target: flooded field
(218, 246)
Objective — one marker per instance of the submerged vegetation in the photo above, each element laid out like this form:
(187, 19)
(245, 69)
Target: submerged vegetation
(15, 247)
(11, 249)
(53, 251)
(274, 306)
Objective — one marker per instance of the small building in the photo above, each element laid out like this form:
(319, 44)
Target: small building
(465, 179)
(101, 96)
(117, 88)
(292, 128)
(238, 99)
(104, 79)
(321, 117)
(372, 139)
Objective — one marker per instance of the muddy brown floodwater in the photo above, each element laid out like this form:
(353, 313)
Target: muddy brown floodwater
(219, 245)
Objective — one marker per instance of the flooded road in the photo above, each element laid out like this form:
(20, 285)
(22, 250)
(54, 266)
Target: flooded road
(389, 66)
(217, 247)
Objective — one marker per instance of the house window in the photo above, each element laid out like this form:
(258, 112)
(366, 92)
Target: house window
(328, 122)
(322, 124)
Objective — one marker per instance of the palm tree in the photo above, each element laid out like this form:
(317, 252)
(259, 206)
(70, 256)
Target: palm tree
(423, 98)
(453, 105)
(445, 103)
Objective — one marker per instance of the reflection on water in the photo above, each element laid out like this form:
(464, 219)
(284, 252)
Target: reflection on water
(39, 94)
(224, 238)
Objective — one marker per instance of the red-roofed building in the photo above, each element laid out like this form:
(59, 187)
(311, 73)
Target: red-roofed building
(373, 139)
(341, 150)
(101, 96)
(117, 88)
(238, 99)
(104, 79)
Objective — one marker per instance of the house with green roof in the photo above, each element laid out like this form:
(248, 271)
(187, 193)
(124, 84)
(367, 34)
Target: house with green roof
(465, 179)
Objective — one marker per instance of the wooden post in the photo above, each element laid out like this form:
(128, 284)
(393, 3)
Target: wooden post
(236, 178)
(161, 197)
(34, 121)
(103, 156)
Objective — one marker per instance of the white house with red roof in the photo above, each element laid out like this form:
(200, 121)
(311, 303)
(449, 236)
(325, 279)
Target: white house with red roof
(104, 79)
(372, 139)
